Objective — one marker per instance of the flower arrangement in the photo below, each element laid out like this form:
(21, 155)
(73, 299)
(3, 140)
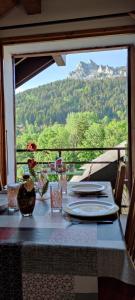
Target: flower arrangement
(58, 166)
(40, 178)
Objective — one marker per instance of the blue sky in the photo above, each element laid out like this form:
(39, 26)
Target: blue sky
(112, 58)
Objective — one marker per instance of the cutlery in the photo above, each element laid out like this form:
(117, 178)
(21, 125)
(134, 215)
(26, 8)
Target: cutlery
(76, 222)
(94, 195)
(105, 196)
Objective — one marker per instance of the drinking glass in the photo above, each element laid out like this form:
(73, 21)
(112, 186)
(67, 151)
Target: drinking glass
(63, 182)
(56, 198)
(12, 191)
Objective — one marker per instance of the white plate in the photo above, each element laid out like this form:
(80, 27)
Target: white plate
(90, 208)
(87, 188)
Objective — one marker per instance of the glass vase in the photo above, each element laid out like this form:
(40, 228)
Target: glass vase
(42, 186)
(62, 179)
(26, 200)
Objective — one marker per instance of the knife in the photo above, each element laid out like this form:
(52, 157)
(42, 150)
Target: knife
(105, 196)
(94, 195)
(76, 222)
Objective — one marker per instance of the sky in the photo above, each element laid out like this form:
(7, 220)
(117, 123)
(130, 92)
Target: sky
(113, 58)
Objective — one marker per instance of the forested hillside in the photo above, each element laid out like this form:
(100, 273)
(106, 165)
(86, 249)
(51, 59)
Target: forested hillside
(53, 102)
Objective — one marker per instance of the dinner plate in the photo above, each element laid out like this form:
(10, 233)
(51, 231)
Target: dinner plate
(90, 208)
(87, 188)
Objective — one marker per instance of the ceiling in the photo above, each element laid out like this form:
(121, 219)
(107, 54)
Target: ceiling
(26, 67)
(31, 7)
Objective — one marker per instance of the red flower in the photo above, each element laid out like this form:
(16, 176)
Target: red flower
(31, 163)
(31, 147)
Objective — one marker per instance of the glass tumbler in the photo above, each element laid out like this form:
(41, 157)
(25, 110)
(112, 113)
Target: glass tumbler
(12, 191)
(56, 198)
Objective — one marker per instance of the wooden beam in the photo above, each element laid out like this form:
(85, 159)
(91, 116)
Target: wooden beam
(6, 5)
(19, 61)
(30, 67)
(60, 60)
(2, 124)
(132, 14)
(67, 35)
(32, 7)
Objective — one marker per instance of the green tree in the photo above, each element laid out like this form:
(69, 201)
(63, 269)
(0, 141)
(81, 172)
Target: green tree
(53, 102)
(77, 124)
(55, 136)
(94, 138)
(115, 133)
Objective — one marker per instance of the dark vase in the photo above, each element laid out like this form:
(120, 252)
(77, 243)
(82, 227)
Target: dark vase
(26, 201)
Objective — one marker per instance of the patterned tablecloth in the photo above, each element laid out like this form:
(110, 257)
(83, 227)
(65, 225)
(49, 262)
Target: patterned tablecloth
(45, 257)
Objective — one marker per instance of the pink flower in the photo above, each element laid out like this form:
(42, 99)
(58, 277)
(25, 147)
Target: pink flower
(58, 162)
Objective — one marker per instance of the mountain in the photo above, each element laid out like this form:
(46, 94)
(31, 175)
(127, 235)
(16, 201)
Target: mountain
(90, 71)
(51, 103)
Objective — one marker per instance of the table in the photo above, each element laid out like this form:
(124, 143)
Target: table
(45, 257)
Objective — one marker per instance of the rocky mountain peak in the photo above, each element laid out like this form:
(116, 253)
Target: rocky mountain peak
(91, 70)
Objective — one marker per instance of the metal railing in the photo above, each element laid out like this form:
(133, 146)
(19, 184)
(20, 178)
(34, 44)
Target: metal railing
(61, 150)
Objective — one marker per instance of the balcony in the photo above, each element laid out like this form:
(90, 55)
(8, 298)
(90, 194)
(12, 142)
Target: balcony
(104, 167)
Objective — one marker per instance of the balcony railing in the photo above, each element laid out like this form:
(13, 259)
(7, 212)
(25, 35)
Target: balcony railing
(60, 151)
(77, 170)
